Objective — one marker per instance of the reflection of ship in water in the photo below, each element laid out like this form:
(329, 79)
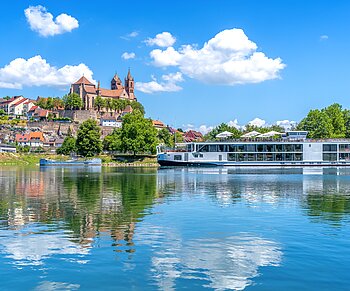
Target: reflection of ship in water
(324, 193)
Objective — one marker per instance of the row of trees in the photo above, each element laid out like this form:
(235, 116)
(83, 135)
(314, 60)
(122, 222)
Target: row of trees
(50, 103)
(74, 102)
(111, 104)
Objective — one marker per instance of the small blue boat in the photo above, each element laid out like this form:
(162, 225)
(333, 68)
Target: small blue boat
(92, 162)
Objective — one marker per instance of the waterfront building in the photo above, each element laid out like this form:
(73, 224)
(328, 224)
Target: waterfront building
(111, 120)
(158, 124)
(88, 91)
(17, 105)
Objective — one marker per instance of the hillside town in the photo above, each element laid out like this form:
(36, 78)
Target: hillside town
(41, 125)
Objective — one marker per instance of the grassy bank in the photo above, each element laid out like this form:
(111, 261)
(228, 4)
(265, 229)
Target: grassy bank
(18, 159)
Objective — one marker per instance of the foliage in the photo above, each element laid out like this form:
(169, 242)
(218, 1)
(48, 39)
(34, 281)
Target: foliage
(137, 134)
(88, 141)
(50, 103)
(165, 137)
(23, 149)
(317, 123)
(2, 112)
(261, 129)
(336, 115)
(72, 101)
(68, 147)
(112, 142)
(99, 103)
(137, 106)
(177, 137)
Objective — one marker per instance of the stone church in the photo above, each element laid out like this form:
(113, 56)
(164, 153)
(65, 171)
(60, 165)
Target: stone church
(88, 91)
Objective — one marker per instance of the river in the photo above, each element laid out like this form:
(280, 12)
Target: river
(171, 229)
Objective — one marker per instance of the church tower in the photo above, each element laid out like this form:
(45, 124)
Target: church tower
(116, 83)
(129, 86)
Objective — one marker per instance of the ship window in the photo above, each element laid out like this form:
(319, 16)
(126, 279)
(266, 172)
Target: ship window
(344, 147)
(279, 157)
(213, 148)
(279, 147)
(329, 147)
(252, 157)
(260, 157)
(289, 157)
(231, 148)
(289, 148)
(344, 156)
(330, 157)
(240, 148)
(177, 157)
(204, 148)
(231, 157)
(240, 157)
(298, 157)
(221, 147)
(269, 157)
(269, 147)
(298, 147)
(260, 148)
(250, 148)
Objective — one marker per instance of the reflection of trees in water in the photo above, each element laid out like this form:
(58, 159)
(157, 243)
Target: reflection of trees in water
(332, 207)
(88, 202)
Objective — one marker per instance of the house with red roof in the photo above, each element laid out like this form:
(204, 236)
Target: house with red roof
(192, 135)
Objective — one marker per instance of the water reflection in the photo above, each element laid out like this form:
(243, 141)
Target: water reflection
(68, 214)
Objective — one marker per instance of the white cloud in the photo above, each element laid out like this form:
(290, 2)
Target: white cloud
(164, 39)
(286, 124)
(234, 123)
(42, 21)
(128, 56)
(36, 71)
(324, 37)
(258, 122)
(229, 58)
(167, 85)
(130, 35)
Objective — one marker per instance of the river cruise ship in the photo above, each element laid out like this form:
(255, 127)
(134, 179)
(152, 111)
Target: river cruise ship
(292, 149)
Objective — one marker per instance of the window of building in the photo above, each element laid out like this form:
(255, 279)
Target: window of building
(231, 157)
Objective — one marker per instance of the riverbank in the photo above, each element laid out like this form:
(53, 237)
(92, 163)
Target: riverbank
(20, 159)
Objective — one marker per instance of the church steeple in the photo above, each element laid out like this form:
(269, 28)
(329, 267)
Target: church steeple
(129, 85)
(116, 83)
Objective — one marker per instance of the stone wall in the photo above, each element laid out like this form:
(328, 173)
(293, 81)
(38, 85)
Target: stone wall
(79, 115)
(49, 126)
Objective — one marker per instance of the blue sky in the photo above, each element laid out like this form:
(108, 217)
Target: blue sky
(273, 60)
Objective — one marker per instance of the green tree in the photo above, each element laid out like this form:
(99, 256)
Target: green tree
(99, 103)
(317, 123)
(137, 106)
(2, 112)
(336, 115)
(138, 134)
(68, 147)
(72, 101)
(112, 142)
(58, 103)
(88, 141)
(109, 104)
(41, 102)
(49, 103)
(177, 137)
(165, 137)
(346, 114)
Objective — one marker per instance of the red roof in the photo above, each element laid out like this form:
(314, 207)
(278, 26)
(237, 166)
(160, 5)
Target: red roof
(33, 108)
(84, 81)
(22, 137)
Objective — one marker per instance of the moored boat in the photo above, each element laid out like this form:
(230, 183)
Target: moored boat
(91, 162)
(294, 149)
